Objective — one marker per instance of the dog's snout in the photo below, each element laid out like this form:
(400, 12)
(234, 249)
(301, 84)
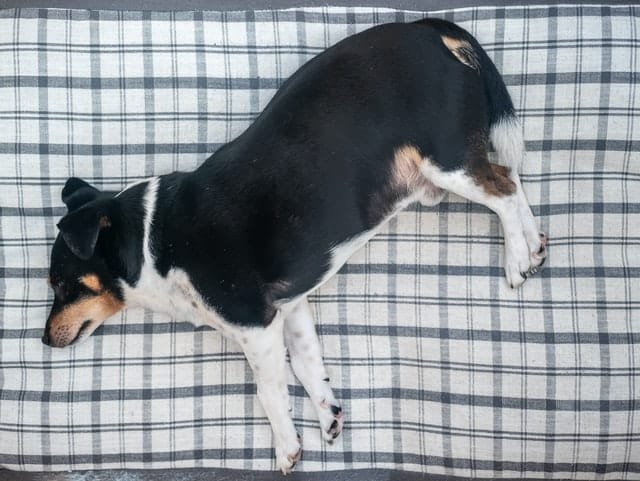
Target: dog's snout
(45, 338)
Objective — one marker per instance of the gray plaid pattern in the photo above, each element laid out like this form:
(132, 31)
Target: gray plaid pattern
(440, 367)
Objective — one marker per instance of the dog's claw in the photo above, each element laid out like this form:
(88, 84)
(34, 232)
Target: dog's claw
(335, 428)
(286, 462)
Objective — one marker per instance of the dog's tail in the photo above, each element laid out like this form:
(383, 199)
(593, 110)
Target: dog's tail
(505, 130)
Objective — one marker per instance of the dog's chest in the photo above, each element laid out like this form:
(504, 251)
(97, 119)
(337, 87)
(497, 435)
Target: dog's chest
(173, 294)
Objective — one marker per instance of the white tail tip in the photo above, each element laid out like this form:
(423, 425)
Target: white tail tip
(506, 137)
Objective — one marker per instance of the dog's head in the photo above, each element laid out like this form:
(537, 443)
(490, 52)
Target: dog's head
(86, 289)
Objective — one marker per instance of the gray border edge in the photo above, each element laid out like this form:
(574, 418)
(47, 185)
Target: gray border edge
(218, 474)
(189, 5)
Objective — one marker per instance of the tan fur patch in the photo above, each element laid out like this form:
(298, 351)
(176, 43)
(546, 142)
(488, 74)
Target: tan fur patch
(462, 50)
(91, 282)
(500, 170)
(406, 168)
(495, 180)
(66, 324)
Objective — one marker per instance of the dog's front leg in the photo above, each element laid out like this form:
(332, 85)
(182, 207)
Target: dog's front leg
(306, 359)
(265, 351)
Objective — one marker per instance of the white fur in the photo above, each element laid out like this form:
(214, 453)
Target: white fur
(133, 184)
(150, 201)
(306, 359)
(506, 137)
(529, 226)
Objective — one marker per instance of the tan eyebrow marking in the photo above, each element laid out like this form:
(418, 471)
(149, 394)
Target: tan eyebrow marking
(91, 282)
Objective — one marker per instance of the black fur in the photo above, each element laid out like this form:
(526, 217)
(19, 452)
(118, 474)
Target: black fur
(499, 104)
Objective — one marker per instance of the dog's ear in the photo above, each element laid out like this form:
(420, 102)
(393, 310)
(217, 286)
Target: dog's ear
(77, 192)
(80, 228)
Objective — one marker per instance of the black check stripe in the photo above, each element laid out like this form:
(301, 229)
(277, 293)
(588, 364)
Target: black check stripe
(441, 369)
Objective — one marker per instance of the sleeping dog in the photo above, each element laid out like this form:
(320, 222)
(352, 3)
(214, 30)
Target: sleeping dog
(396, 114)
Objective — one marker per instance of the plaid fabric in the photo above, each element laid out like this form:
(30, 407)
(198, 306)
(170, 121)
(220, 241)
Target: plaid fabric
(440, 367)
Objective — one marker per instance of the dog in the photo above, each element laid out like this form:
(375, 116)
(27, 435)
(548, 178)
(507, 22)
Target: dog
(396, 114)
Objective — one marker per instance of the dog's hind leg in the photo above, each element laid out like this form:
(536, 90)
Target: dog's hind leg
(265, 351)
(490, 185)
(506, 137)
(306, 359)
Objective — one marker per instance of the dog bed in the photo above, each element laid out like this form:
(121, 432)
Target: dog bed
(440, 367)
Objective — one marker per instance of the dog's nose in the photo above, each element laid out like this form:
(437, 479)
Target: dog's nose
(45, 338)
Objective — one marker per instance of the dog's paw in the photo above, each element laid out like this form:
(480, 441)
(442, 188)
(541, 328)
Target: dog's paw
(539, 252)
(520, 265)
(331, 421)
(288, 454)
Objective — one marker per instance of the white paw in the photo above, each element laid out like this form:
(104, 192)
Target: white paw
(331, 420)
(521, 263)
(517, 262)
(288, 453)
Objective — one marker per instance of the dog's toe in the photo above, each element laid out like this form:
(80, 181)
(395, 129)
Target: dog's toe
(331, 424)
(288, 456)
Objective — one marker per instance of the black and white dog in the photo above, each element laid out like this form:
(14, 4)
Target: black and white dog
(393, 115)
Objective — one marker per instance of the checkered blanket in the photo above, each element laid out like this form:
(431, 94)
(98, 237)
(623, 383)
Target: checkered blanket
(441, 368)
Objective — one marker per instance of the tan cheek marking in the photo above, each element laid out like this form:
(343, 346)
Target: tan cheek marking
(91, 282)
(406, 168)
(97, 308)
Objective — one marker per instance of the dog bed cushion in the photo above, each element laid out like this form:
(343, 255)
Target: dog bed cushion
(441, 368)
